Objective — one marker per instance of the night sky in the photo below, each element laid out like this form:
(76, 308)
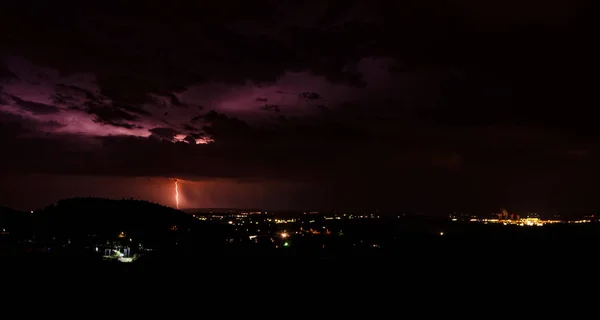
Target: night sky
(430, 106)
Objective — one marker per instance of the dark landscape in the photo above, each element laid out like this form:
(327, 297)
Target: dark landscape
(275, 149)
(74, 234)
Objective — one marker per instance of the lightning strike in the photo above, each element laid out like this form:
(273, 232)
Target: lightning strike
(176, 194)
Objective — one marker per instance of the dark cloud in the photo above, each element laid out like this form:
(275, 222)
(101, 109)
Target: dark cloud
(271, 108)
(105, 112)
(132, 109)
(74, 91)
(126, 52)
(310, 96)
(376, 156)
(111, 116)
(471, 95)
(226, 128)
(60, 99)
(187, 127)
(4, 98)
(174, 100)
(16, 129)
(35, 107)
(5, 73)
(164, 133)
(190, 139)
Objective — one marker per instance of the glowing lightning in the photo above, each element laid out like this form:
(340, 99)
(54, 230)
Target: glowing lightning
(176, 194)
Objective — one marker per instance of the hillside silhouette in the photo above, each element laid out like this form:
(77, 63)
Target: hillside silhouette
(97, 218)
(15, 221)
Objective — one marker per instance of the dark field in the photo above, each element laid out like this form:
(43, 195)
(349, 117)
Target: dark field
(408, 258)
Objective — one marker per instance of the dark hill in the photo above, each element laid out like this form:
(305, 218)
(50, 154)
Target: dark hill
(14, 221)
(151, 223)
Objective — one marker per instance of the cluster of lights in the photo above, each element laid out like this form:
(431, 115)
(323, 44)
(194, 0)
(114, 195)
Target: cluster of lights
(285, 221)
(525, 222)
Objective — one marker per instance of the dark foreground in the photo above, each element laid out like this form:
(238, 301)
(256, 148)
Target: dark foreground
(413, 263)
(424, 278)
(481, 265)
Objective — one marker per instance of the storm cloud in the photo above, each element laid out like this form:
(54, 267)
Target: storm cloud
(390, 98)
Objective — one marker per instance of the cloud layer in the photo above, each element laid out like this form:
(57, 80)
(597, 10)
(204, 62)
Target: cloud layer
(373, 94)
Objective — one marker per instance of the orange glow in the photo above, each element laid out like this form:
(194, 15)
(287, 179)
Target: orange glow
(176, 194)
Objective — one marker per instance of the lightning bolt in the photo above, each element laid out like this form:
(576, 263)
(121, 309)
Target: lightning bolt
(176, 194)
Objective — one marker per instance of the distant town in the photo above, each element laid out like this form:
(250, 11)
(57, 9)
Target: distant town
(254, 220)
(130, 230)
(529, 219)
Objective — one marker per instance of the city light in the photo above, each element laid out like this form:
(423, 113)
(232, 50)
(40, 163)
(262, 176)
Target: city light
(531, 219)
(284, 235)
(527, 222)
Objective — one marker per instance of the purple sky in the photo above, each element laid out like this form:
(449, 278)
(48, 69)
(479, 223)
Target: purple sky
(324, 104)
(33, 93)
